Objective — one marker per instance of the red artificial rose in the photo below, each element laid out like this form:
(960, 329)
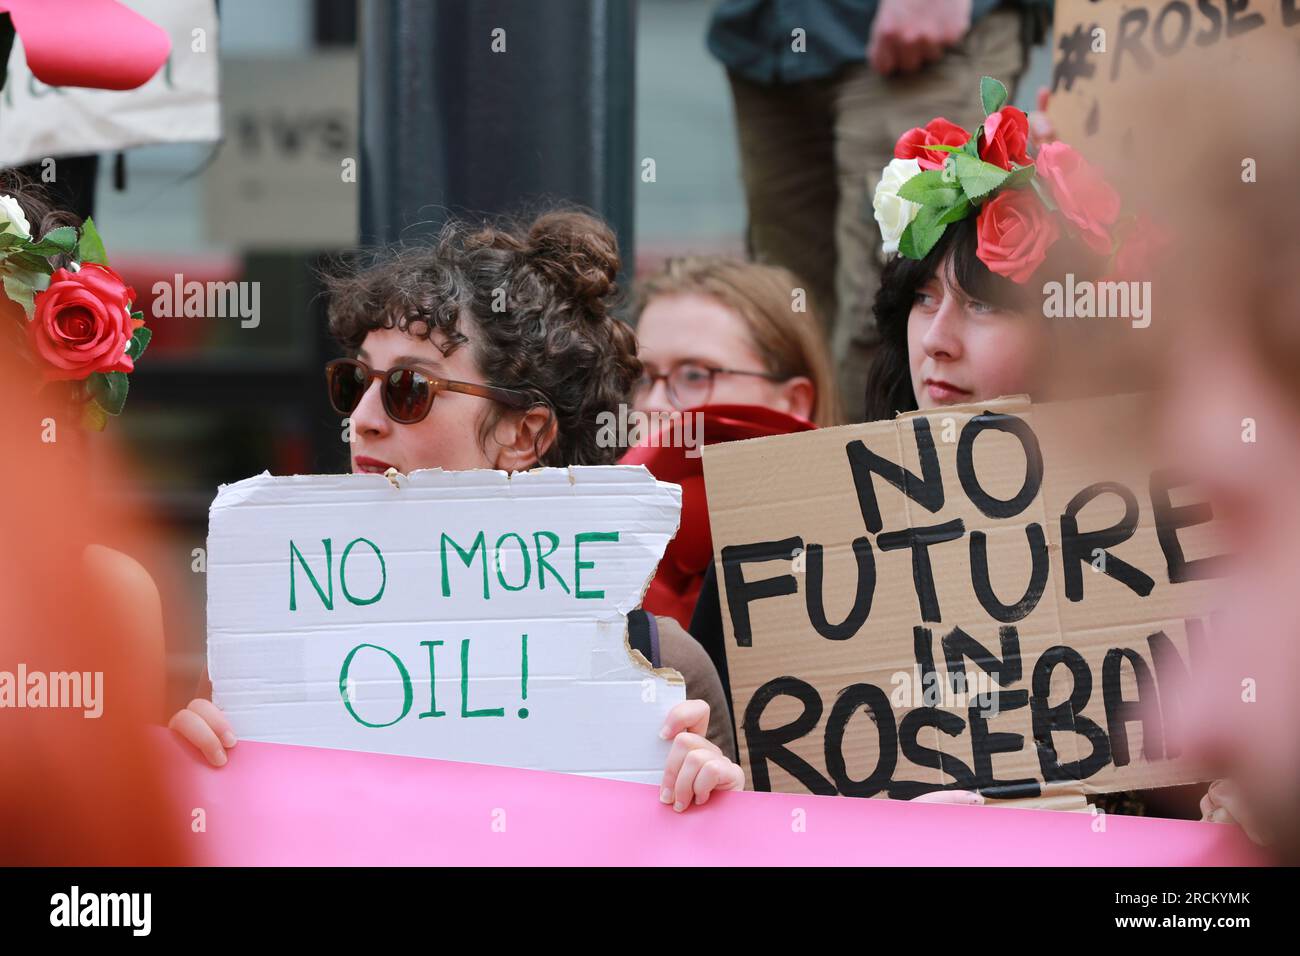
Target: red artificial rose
(1005, 139)
(83, 323)
(1081, 193)
(1014, 232)
(913, 143)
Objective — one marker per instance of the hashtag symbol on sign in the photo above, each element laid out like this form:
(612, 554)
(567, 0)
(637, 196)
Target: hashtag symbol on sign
(1075, 48)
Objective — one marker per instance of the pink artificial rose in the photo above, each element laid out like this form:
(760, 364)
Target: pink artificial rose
(913, 143)
(1013, 233)
(83, 323)
(1081, 193)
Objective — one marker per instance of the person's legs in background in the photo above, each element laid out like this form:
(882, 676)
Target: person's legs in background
(787, 157)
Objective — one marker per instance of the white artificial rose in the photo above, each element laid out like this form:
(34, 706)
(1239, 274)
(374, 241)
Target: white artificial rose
(894, 214)
(13, 219)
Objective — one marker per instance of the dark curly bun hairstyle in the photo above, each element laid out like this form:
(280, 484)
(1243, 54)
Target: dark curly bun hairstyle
(540, 297)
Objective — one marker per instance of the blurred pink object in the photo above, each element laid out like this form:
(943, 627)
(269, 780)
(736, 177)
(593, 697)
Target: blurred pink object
(282, 805)
(94, 43)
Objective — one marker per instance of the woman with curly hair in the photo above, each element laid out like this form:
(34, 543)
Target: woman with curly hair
(523, 318)
(493, 347)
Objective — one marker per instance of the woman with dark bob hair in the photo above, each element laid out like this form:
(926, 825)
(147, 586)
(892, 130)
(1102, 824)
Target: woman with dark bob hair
(495, 346)
(954, 332)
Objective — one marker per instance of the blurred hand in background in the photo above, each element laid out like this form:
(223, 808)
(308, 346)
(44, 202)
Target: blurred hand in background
(908, 34)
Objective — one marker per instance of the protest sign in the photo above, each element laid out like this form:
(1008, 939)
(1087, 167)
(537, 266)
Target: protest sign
(997, 597)
(270, 805)
(472, 615)
(1106, 50)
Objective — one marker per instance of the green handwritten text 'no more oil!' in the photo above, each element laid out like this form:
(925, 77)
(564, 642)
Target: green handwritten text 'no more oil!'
(544, 546)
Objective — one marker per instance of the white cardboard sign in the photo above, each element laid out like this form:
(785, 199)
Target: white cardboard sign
(348, 611)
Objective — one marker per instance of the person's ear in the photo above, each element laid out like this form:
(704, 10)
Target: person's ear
(522, 437)
(800, 396)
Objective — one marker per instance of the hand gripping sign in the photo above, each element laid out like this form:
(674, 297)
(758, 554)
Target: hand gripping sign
(471, 616)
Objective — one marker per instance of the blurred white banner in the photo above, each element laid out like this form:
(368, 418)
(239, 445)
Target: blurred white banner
(179, 105)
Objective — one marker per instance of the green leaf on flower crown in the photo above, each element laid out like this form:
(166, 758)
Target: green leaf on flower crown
(1020, 176)
(922, 233)
(945, 149)
(10, 239)
(19, 290)
(93, 418)
(63, 239)
(29, 260)
(38, 250)
(139, 342)
(1043, 194)
(90, 248)
(956, 212)
(972, 146)
(978, 178)
(930, 189)
(109, 390)
(992, 94)
(906, 243)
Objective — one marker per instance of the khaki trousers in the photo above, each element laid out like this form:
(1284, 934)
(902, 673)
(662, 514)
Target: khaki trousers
(811, 156)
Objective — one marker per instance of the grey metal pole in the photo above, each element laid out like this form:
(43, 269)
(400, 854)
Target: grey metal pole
(494, 107)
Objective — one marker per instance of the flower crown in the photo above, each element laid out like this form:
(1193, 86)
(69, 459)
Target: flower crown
(942, 174)
(77, 319)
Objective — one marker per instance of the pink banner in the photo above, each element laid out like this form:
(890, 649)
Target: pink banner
(275, 804)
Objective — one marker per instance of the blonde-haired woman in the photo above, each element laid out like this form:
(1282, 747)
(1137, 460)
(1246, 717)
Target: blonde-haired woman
(722, 331)
(733, 344)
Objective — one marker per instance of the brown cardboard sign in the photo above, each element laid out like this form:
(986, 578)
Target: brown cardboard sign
(1106, 49)
(1002, 597)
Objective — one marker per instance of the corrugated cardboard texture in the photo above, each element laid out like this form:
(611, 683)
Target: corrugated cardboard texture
(586, 706)
(798, 492)
(1141, 38)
